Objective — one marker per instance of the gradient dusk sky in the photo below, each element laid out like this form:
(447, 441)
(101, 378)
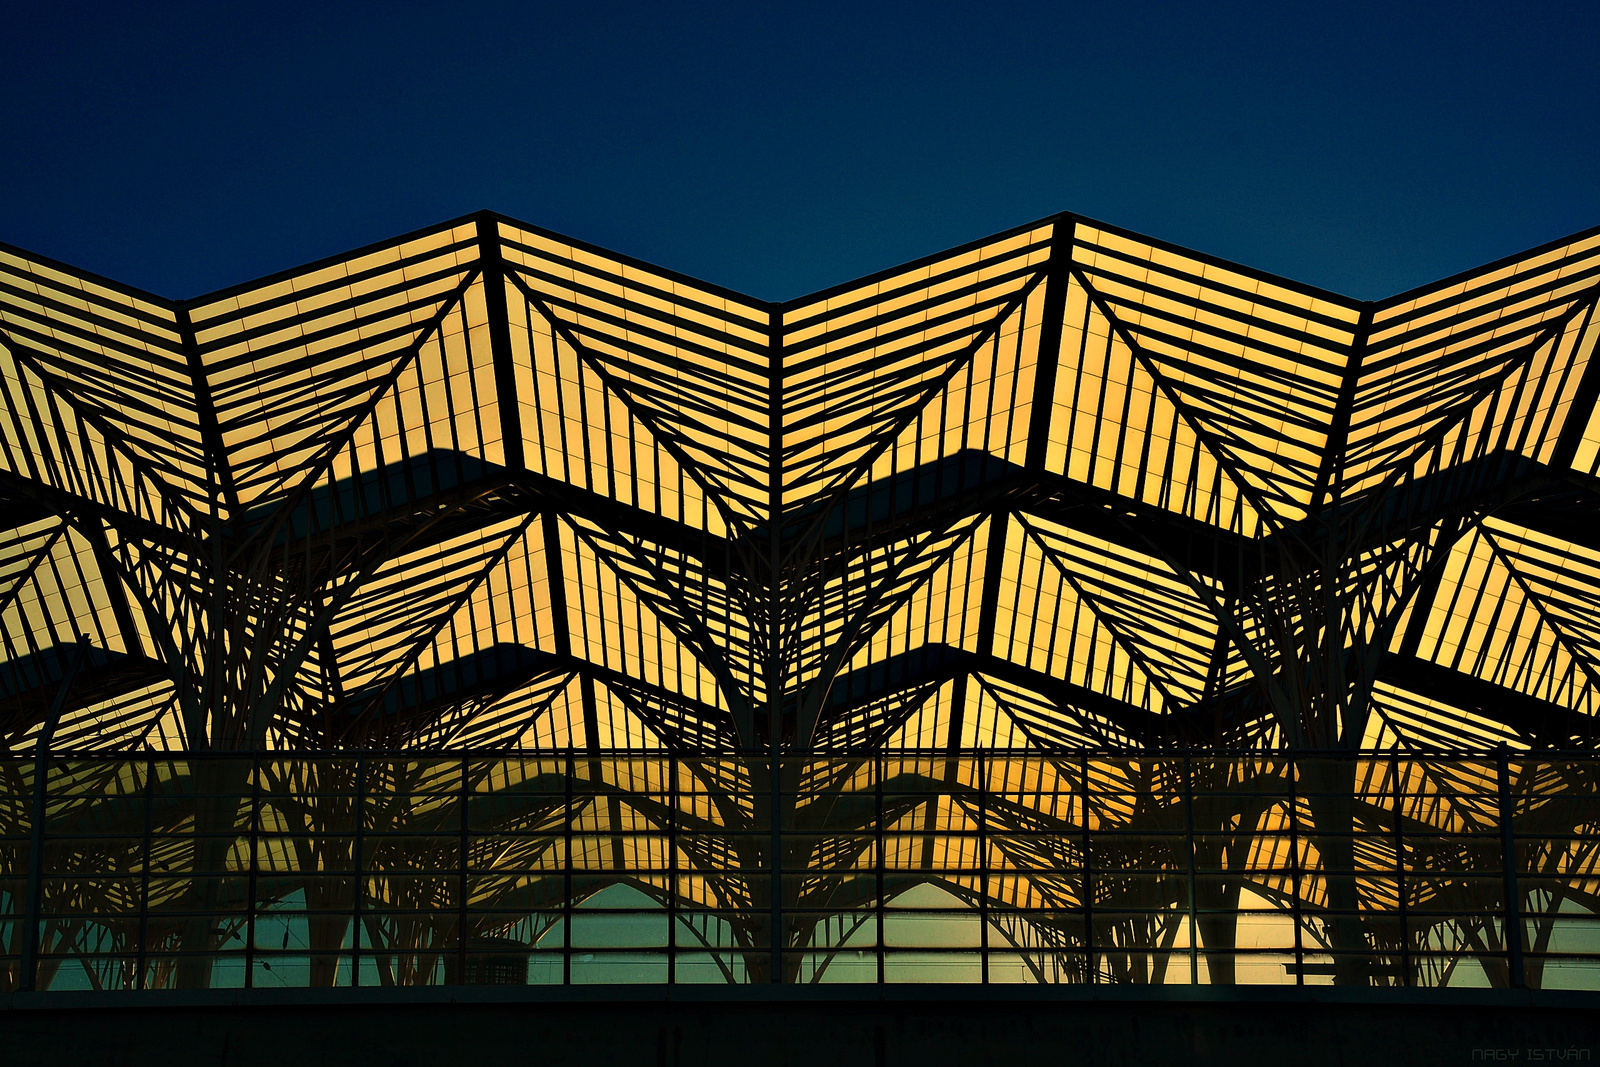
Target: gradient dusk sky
(776, 149)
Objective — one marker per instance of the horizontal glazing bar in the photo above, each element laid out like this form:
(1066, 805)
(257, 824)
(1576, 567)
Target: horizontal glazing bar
(269, 877)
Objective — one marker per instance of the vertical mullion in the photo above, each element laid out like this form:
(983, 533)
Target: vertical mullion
(983, 868)
(358, 890)
(879, 860)
(1188, 821)
(461, 916)
(672, 868)
(33, 911)
(144, 872)
(1400, 872)
(1294, 871)
(774, 723)
(566, 875)
(255, 870)
(1091, 965)
(1508, 845)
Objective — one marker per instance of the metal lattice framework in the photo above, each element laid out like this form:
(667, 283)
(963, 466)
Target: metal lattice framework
(1063, 491)
(486, 487)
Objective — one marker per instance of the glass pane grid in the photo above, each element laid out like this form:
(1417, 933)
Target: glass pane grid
(227, 873)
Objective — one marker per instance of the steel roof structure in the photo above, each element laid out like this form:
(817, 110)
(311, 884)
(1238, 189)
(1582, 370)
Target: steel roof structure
(487, 487)
(994, 544)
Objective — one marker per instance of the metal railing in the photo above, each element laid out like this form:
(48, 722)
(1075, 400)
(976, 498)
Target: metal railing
(168, 871)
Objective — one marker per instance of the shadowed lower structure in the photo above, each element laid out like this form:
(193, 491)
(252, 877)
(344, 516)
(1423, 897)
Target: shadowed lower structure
(1067, 607)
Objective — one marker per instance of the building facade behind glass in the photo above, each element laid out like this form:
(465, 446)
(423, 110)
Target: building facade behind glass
(1067, 608)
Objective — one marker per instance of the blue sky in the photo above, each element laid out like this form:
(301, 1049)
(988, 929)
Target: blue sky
(780, 148)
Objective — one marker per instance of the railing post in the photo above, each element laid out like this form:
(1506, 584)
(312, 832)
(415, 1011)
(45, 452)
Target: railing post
(1508, 845)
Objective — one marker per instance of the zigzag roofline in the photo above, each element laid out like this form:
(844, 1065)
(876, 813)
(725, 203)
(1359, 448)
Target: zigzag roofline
(177, 304)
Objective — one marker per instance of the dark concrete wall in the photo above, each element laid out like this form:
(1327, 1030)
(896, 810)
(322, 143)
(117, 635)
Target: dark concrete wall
(789, 1028)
